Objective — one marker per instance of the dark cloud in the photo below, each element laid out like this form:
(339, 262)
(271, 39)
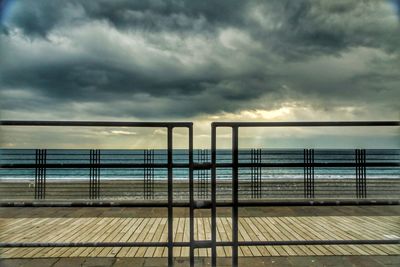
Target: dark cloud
(33, 18)
(396, 5)
(163, 59)
(313, 28)
(297, 26)
(39, 17)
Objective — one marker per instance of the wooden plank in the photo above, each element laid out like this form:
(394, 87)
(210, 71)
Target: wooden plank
(352, 226)
(256, 235)
(207, 231)
(202, 252)
(36, 231)
(77, 236)
(43, 232)
(56, 234)
(99, 236)
(186, 238)
(293, 234)
(117, 229)
(228, 234)
(112, 251)
(268, 235)
(153, 237)
(57, 252)
(247, 233)
(161, 235)
(148, 235)
(135, 237)
(221, 236)
(139, 252)
(318, 231)
(135, 222)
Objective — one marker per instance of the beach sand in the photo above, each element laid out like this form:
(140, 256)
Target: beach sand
(125, 190)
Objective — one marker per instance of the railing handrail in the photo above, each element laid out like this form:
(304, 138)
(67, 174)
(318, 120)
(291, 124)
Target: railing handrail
(196, 166)
(95, 123)
(187, 124)
(306, 124)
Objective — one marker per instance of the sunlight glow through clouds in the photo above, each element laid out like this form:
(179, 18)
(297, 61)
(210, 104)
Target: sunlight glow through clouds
(255, 115)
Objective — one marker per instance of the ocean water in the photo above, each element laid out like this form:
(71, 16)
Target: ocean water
(65, 156)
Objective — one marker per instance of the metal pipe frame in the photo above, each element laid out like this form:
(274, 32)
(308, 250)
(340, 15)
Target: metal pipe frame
(170, 199)
(182, 204)
(95, 164)
(184, 165)
(307, 124)
(213, 196)
(308, 164)
(235, 195)
(186, 244)
(97, 124)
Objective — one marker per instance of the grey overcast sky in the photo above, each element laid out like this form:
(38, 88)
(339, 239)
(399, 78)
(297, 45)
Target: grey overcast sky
(200, 61)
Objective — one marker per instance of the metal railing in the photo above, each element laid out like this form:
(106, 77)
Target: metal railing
(149, 184)
(252, 161)
(95, 165)
(309, 164)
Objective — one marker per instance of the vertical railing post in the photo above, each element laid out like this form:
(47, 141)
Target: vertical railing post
(305, 173)
(144, 174)
(207, 174)
(213, 195)
(361, 173)
(36, 172)
(259, 174)
(191, 198)
(170, 196)
(357, 158)
(94, 174)
(40, 173)
(260, 177)
(309, 184)
(44, 159)
(148, 174)
(152, 173)
(198, 173)
(98, 178)
(365, 173)
(255, 173)
(202, 175)
(252, 173)
(90, 173)
(235, 193)
(312, 174)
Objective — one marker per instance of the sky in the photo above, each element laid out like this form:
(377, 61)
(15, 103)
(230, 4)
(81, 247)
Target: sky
(200, 61)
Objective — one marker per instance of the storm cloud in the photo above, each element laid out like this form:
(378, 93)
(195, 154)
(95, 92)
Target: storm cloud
(157, 60)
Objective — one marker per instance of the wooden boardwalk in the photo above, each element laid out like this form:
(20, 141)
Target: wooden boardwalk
(58, 228)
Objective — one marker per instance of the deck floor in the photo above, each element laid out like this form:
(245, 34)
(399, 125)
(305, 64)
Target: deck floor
(58, 227)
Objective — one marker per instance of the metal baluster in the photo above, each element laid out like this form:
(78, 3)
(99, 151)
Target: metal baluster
(235, 185)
